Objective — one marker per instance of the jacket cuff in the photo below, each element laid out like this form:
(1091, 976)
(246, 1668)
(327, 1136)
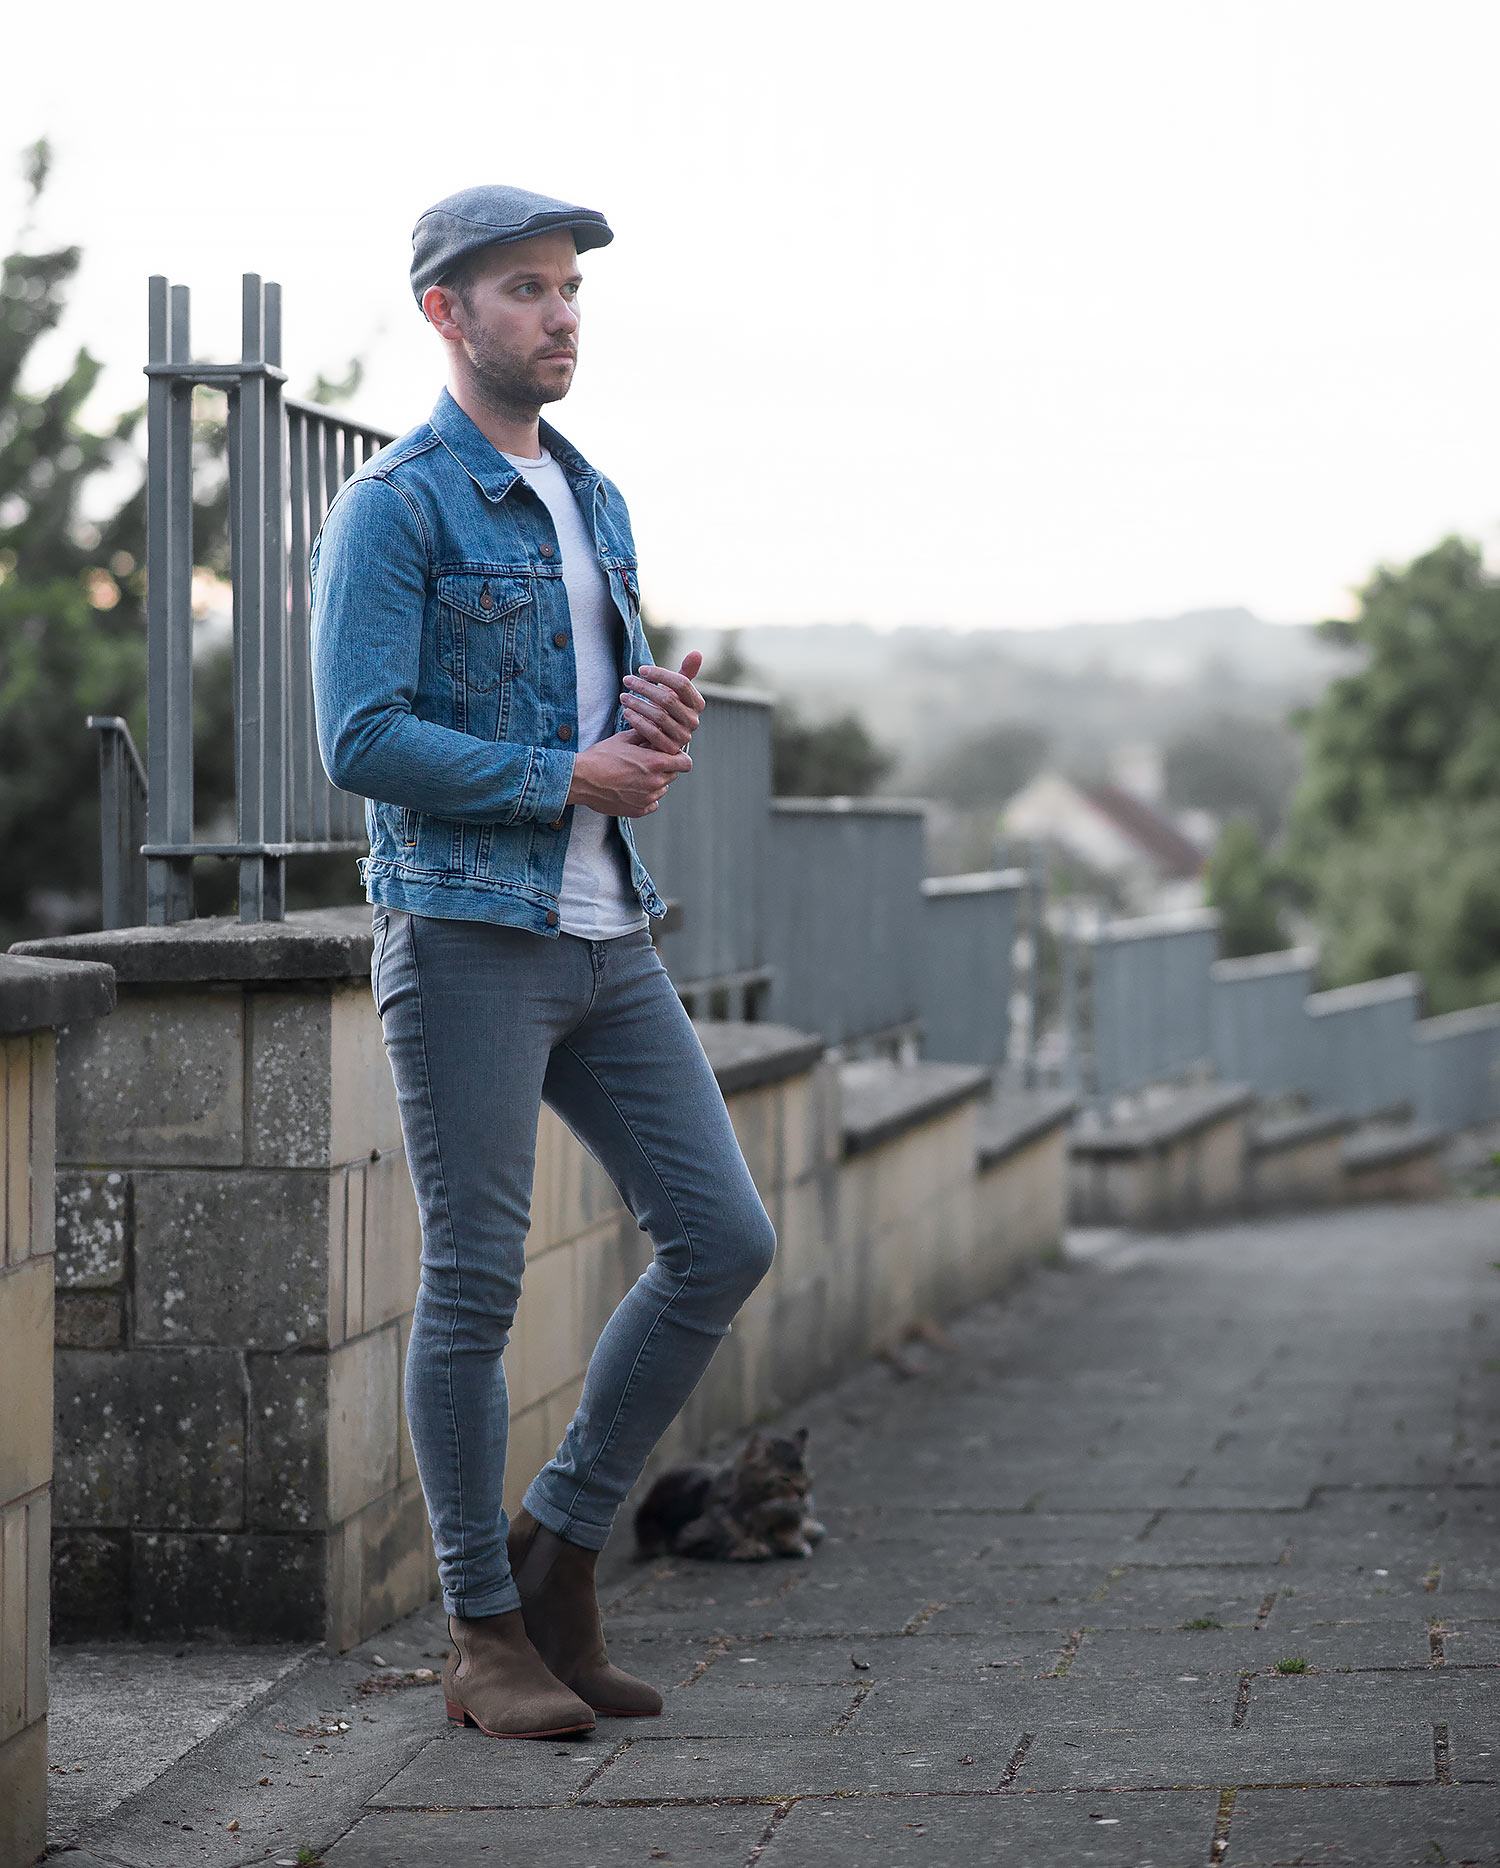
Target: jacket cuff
(547, 783)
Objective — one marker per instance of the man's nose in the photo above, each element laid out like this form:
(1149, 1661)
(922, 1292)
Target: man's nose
(562, 317)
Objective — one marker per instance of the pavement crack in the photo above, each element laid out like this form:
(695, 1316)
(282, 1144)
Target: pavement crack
(1116, 1571)
(720, 1646)
(1262, 1613)
(861, 1693)
(922, 1617)
(1442, 1770)
(1241, 1701)
(778, 1816)
(600, 1768)
(1222, 1815)
(1017, 1757)
(1435, 1635)
(1065, 1659)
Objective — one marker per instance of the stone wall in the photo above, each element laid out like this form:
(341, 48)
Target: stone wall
(238, 1257)
(32, 994)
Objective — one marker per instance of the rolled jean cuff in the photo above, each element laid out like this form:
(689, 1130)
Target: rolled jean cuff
(572, 1530)
(472, 1611)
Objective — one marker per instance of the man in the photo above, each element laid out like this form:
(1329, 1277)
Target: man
(475, 598)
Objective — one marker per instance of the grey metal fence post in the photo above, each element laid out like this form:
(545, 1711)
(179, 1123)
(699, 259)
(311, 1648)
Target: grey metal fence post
(259, 607)
(169, 604)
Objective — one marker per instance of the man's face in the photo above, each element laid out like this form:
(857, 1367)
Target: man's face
(518, 320)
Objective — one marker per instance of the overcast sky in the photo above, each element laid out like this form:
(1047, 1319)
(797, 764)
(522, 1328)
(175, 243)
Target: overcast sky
(1062, 311)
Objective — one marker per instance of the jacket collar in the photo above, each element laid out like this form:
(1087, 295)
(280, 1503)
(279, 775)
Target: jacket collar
(485, 465)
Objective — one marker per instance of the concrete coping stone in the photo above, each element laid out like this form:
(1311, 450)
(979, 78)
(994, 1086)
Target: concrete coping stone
(883, 1099)
(1013, 1119)
(1153, 927)
(36, 993)
(1367, 993)
(1310, 1125)
(1457, 1024)
(311, 943)
(1389, 1147)
(746, 1055)
(1265, 965)
(1191, 1110)
(976, 882)
(842, 806)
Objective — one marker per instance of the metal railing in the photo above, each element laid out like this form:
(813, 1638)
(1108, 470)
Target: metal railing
(1360, 1048)
(843, 930)
(969, 925)
(287, 459)
(1148, 1000)
(708, 842)
(1260, 1033)
(1456, 1069)
(122, 823)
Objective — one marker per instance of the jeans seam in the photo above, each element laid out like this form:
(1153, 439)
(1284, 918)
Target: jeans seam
(437, 1142)
(661, 1314)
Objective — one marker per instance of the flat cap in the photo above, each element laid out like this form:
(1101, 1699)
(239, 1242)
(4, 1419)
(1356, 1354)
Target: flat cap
(487, 215)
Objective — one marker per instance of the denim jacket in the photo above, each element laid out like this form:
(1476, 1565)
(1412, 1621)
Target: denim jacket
(444, 686)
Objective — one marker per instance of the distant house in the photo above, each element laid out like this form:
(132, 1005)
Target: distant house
(1116, 833)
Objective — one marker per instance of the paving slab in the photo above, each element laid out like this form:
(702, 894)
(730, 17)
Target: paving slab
(909, 1710)
(658, 1770)
(461, 1768)
(1065, 1830)
(573, 1838)
(1115, 1758)
(920, 1657)
(1126, 1653)
(1416, 1826)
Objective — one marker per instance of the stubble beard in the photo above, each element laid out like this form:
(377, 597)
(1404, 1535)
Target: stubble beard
(512, 385)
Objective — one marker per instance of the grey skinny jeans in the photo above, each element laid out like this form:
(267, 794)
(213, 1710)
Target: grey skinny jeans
(484, 1022)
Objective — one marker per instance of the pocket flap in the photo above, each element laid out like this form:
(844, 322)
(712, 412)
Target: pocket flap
(482, 594)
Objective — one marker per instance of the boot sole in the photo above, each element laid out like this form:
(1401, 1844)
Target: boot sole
(460, 1715)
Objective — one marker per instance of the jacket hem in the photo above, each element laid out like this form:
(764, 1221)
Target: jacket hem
(469, 898)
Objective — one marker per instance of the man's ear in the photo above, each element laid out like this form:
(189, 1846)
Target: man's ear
(442, 310)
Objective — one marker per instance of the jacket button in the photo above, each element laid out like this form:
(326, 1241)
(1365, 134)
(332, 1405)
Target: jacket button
(546, 551)
(486, 601)
(565, 731)
(559, 639)
(551, 917)
(554, 823)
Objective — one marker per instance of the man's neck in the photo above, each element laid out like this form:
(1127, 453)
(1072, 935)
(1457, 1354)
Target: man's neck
(511, 430)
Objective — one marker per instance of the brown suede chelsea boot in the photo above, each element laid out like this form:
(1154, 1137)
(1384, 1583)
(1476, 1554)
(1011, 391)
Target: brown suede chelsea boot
(556, 1581)
(495, 1679)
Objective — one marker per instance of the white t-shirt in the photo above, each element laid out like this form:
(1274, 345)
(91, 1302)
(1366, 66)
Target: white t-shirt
(597, 900)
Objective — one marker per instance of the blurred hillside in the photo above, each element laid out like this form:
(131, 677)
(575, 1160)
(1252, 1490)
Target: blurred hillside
(1088, 690)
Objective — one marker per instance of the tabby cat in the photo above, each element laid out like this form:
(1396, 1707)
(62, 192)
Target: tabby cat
(756, 1505)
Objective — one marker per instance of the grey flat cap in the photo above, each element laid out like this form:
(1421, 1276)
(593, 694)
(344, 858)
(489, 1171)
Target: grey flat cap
(484, 216)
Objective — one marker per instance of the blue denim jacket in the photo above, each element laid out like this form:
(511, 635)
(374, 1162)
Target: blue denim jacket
(444, 686)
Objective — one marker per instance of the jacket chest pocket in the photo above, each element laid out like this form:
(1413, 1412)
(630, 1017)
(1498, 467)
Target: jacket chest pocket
(478, 615)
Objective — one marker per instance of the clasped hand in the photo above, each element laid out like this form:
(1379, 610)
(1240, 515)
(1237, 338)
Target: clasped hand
(662, 705)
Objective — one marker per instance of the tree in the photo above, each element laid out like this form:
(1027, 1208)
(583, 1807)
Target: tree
(72, 601)
(1234, 766)
(828, 759)
(72, 613)
(1420, 721)
(1395, 833)
(831, 759)
(1243, 884)
(986, 768)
